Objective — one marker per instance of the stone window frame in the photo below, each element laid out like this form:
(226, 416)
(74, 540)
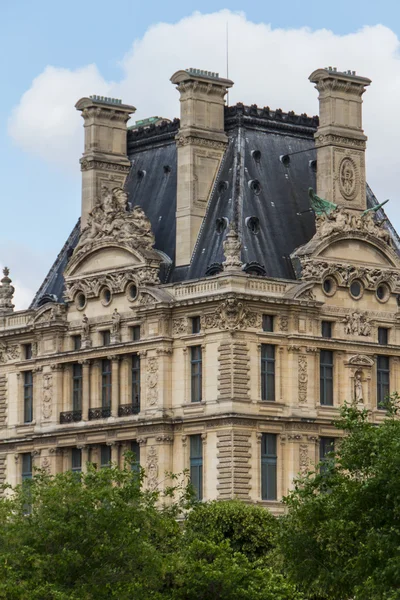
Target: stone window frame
(195, 340)
(281, 465)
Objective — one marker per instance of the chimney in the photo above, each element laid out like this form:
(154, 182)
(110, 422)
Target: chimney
(104, 161)
(201, 143)
(340, 139)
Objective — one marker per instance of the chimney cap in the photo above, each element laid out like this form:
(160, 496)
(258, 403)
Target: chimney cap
(200, 74)
(112, 103)
(333, 73)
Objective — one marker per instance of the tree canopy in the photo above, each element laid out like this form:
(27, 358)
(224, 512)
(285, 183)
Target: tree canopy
(341, 536)
(100, 535)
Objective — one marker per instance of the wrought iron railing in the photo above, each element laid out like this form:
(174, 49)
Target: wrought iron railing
(71, 416)
(124, 410)
(99, 413)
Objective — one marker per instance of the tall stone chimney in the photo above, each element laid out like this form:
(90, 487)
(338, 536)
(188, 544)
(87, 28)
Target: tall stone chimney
(104, 161)
(340, 139)
(201, 144)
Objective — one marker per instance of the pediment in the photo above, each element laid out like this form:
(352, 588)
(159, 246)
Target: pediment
(361, 360)
(103, 259)
(358, 251)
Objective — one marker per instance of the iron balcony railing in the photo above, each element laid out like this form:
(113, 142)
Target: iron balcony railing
(124, 410)
(99, 413)
(71, 416)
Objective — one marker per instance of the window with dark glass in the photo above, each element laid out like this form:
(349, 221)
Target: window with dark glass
(136, 333)
(267, 372)
(105, 456)
(196, 325)
(77, 387)
(326, 329)
(28, 396)
(106, 383)
(196, 465)
(268, 467)
(383, 380)
(28, 351)
(196, 373)
(77, 341)
(106, 335)
(26, 466)
(136, 382)
(135, 449)
(326, 445)
(326, 378)
(268, 322)
(76, 460)
(383, 336)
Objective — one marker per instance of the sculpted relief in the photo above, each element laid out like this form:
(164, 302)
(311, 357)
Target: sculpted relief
(341, 220)
(357, 323)
(111, 220)
(231, 314)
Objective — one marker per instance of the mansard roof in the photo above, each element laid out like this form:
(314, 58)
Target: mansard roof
(261, 186)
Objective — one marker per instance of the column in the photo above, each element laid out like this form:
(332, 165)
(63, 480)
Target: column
(115, 386)
(85, 456)
(85, 389)
(57, 370)
(114, 452)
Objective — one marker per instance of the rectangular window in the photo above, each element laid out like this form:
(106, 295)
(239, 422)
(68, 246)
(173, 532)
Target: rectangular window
(268, 467)
(196, 465)
(326, 378)
(268, 322)
(77, 387)
(267, 372)
(28, 396)
(76, 460)
(106, 383)
(77, 342)
(105, 456)
(383, 336)
(136, 383)
(136, 333)
(383, 380)
(27, 351)
(135, 449)
(196, 325)
(326, 329)
(26, 466)
(106, 335)
(326, 445)
(196, 373)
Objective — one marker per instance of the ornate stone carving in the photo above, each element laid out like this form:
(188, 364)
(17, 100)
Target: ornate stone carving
(341, 220)
(283, 323)
(46, 464)
(232, 251)
(349, 181)
(9, 352)
(148, 275)
(303, 378)
(47, 395)
(92, 285)
(231, 314)
(152, 381)
(358, 388)
(357, 323)
(152, 467)
(304, 459)
(110, 220)
(306, 295)
(145, 299)
(6, 293)
(359, 359)
(116, 327)
(179, 326)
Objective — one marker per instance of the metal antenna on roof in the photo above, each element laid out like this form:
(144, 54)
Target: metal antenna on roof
(227, 58)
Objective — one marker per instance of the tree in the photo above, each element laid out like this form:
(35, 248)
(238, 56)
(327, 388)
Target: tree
(341, 536)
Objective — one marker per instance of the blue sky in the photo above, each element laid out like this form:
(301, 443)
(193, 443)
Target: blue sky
(40, 195)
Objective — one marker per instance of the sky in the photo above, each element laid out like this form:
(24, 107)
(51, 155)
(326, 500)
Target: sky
(53, 53)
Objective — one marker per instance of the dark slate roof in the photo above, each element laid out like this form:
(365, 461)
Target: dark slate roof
(263, 194)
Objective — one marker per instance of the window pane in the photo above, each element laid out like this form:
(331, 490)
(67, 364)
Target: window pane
(76, 459)
(76, 387)
(136, 333)
(382, 336)
(195, 324)
(106, 384)
(105, 456)
(326, 378)
(268, 372)
(383, 380)
(196, 373)
(268, 467)
(28, 396)
(106, 338)
(268, 322)
(26, 466)
(135, 449)
(326, 329)
(28, 351)
(136, 382)
(196, 465)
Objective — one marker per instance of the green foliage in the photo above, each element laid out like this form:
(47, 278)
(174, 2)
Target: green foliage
(341, 536)
(99, 535)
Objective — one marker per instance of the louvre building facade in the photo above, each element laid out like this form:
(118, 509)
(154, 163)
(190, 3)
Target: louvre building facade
(231, 281)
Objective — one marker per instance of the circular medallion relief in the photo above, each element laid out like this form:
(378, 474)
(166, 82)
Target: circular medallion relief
(348, 178)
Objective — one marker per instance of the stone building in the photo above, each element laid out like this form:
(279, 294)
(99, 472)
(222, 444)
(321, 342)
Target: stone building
(209, 311)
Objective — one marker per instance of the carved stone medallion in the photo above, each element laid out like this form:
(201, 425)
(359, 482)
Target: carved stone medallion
(348, 178)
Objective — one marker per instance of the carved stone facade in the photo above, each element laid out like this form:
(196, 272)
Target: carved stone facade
(209, 364)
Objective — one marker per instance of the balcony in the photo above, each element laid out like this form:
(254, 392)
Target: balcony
(99, 413)
(124, 410)
(71, 416)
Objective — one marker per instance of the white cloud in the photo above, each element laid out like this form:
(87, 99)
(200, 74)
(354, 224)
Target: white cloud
(269, 67)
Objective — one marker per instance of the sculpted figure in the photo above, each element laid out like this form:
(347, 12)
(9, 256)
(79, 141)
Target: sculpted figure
(85, 328)
(348, 325)
(116, 322)
(358, 388)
